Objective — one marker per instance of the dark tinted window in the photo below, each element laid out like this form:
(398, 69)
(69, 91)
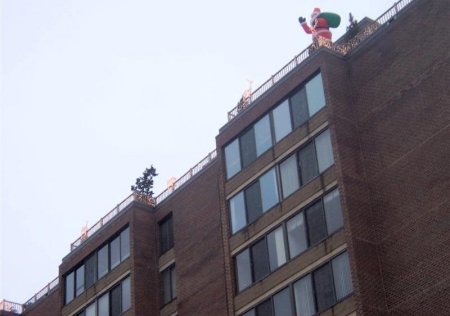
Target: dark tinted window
(323, 283)
(282, 303)
(317, 229)
(308, 163)
(91, 270)
(253, 202)
(115, 252)
(248, 147)
(299, 107)
(166, 234)
(260, 260)
(102, 261)
(116, 301)
(264, 309)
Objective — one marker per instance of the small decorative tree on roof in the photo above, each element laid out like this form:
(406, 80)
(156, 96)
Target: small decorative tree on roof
(143, 189)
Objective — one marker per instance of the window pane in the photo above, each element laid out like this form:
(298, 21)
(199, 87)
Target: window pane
(282, 303)
(115, 252)
(277, 250)
(125, 244)
(281, 120)
(248, 147)
(103, 305)
(243, 270)
(315, 94)
(317, 229)
(323, 283)
(296, 233)
(308, 163)
(126, 294)
(91, 271)
(260, 260)
(289, 176)
(232, 158)
(253, 202)
(263, 135)
(269, 189)
(304, 297)
(333, 212)
(166, 284)
(173, 284)
(116, 301)
(250, 313)
(102, 261)
(237, 212)
(324, 151)
(79, 280)
(342, 277)
(264, 309)
(166, 235)
(91, 310)
(299, 107)
(70, 285)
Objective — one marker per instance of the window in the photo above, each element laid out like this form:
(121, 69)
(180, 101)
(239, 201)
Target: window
(324, 151)
(291, 113)
(91, 310)
(114, 252)
(308, 163)
(103, 305)
(289, 176)
(296, 232)
(315, 94)
(232, 158)
(312, 294)
(315, 219)
(103, 261)
(237, 211)
(277, 249)
(248, 147)
(269, 190)
(282, 304)
(299, 107)
(70, 285)
(79, 287)
(97, 265)
(166, 234)
(291, 238)
(342, 276)
(333, 212)
(112, 303)
(304, 296)
(249, 204)
(125, 244)
(168, 285)
(126, 294)
(116, 301)
(243, 270)
(281, 120)
(263, 135)
(90, 270)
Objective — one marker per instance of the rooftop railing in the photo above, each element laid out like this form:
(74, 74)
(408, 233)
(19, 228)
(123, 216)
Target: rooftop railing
(42, 293)
(339, 47)
(151, 201)
(8, 306)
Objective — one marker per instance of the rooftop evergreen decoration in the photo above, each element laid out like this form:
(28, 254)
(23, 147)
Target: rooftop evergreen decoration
(144, 184)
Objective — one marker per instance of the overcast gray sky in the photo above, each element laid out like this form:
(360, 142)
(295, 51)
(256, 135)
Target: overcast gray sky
(95, 91)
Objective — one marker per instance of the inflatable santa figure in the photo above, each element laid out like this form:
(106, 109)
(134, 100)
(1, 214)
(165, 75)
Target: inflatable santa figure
(320, 24)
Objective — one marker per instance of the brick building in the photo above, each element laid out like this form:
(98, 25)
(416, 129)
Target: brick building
(328, 193)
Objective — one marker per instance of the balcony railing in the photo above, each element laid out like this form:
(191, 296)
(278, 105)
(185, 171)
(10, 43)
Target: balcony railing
(42, 293)
(339, 47)
(135, 197)
(8, 306)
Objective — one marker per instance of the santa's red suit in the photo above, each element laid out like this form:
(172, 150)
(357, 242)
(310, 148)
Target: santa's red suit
(319, 26)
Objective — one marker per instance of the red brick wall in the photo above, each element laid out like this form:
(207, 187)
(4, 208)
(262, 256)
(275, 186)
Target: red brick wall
(391, 126)
(199, 259)
(48, 306)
